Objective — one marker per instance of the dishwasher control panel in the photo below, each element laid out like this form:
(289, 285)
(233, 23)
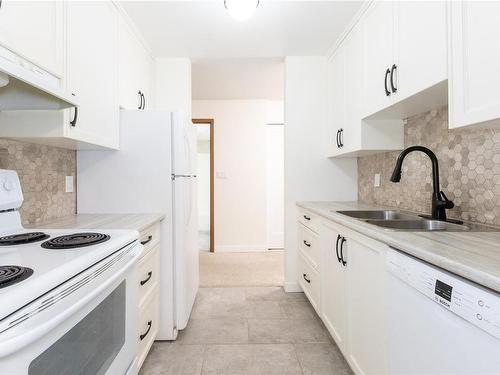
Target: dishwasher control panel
(470, 301)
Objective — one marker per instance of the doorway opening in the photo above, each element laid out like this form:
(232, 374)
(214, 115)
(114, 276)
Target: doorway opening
(205, 174)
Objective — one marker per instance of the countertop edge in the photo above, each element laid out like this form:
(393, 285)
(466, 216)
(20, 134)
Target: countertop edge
(130, 221)
(460, 268)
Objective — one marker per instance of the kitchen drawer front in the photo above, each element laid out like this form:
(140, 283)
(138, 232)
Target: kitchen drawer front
(309, 280)
(149, 273)
(149, 315)
(310, 220)
(150, 237)
(309, 245)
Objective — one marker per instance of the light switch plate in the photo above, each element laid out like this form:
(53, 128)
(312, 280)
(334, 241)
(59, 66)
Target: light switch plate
(376, 180)
(69, 184)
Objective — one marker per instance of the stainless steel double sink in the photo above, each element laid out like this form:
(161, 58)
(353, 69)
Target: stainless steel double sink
(402, 221)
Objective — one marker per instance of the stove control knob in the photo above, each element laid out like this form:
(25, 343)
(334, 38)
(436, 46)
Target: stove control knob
(8, 185)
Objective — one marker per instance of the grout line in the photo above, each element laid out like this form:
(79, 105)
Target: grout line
(298, 359)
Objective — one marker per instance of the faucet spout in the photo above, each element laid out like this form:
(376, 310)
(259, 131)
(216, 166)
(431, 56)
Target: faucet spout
(439, 205)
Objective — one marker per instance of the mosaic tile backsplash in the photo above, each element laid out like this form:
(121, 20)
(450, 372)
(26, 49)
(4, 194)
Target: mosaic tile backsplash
(42, 171)
(469, 166)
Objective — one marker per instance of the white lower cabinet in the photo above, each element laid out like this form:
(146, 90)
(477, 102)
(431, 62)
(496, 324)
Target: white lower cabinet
(365, 306)
(350, 297)
(149, 291)
(333, 280)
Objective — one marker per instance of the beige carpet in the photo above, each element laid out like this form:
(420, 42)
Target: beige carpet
(241, 269)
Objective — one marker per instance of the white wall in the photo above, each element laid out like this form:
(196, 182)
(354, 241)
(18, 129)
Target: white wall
(172, 84)
(240, 161)
(309, 174)
(203, 183)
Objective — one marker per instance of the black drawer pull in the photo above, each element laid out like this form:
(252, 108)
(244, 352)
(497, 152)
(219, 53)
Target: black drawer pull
(305, 278)
(307, 217)
(150, 273)
(146, 241)
(150, 323)
(307, 243)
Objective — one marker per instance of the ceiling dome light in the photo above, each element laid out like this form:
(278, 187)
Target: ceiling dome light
(241, 10)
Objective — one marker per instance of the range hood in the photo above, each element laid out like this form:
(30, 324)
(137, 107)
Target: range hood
(25, 86)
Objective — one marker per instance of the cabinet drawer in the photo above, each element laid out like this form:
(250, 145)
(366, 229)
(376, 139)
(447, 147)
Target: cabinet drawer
(310, 220)
(309, 280)
(148, 326)
(309, 245)
(150, 237)
(148, 273)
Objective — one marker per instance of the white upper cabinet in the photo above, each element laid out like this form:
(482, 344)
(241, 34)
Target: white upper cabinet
(33, 30)
(378, 55)
(420, 50)
(336, 101)
(135, 67)
(351, 136)
(92, 60)
(474, 60)
(404, 58)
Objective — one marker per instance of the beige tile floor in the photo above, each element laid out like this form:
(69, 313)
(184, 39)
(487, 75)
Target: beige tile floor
(249, 331)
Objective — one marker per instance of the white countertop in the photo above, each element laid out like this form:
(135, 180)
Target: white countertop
(472, 255)
(138, 222)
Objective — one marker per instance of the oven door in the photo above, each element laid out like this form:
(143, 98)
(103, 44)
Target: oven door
(88, 325)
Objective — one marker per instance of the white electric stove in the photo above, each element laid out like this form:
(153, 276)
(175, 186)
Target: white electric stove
(68, 298)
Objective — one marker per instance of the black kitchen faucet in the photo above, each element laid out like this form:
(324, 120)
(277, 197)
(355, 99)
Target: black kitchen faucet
(440, 203)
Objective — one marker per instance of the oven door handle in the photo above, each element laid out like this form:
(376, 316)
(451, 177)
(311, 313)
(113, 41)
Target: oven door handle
(14, 342)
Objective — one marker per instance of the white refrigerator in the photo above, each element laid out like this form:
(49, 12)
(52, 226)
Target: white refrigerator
(153, 172)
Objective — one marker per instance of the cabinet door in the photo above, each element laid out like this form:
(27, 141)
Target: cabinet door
(474, 58)
(366, 309)
(378, 33)
(92, 38)
(34, 30)
(420, 46)
(336, 99)
(333, 286)
(353, 89)
(135, 69)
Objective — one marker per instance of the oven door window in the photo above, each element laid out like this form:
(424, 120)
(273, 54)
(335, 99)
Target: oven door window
(91, 346)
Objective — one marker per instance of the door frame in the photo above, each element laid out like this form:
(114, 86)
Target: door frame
(210, 122)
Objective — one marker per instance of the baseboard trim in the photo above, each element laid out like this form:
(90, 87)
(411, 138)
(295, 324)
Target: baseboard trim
(292, 287)
(241, 249)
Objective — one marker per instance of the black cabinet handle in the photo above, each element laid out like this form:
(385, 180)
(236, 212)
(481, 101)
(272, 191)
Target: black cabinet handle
(344, 262)
(143, 101)
(341, 137)
(150, 323)
(338, 141)
(146, 241)
(339, 259)
(150, 273)
(387, 92)
(140, 100)
(307, 217)
(75, 118)
(307, 243)
(393, 69)
(305, 278)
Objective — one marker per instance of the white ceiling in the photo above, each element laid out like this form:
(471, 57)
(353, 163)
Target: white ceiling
(238, 79)
(204, 29)
(240, 60)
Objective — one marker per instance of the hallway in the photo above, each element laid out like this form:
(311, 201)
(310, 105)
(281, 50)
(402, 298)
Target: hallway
(242, 269)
